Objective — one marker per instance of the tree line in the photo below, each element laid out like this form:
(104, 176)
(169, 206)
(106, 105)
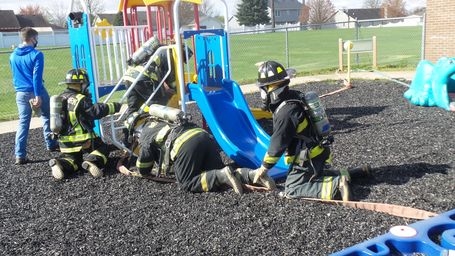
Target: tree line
(249, 12)
(256, 12)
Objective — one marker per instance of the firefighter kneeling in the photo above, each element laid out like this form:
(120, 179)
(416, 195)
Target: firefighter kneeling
(302, 133)
(173, 145)
(72, 121)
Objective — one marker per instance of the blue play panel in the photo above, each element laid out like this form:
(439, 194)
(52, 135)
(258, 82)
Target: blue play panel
(432, 237)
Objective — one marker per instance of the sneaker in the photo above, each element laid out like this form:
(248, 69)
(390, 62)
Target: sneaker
(344, 189)
(21, 161)
(92, 169)
(57, 169)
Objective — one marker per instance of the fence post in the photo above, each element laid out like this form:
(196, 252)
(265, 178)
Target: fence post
(375, 53)
(287, 47)
(340, 54)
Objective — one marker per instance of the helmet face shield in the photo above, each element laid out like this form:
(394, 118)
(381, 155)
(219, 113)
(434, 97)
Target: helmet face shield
(265, 98)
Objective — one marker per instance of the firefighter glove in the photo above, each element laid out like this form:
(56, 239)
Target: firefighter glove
(117, 106)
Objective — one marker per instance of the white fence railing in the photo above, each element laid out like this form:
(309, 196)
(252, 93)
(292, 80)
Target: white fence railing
(46, 38)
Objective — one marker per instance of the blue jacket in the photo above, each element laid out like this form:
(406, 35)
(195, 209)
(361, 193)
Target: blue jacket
(27, 65)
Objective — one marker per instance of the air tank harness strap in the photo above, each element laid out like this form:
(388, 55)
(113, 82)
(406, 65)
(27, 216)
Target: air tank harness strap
(176, 138)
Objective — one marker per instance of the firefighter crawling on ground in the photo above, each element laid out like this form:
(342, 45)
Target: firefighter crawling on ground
(166, 143)
(72, 121)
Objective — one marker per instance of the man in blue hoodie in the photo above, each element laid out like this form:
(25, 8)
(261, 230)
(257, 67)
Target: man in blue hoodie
(27, 65)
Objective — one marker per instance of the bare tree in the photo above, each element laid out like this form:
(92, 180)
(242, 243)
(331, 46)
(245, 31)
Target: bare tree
(56, 13)
(372, 3)
(304, 15)
(394, 8)
(207, 8)
(320, 11)
(186, 11)
(31, 10)
(93, 6)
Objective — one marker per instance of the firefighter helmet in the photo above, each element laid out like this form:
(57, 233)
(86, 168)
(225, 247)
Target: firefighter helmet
(76, 76)
(273, 81)
(271, 72)
(77, 79)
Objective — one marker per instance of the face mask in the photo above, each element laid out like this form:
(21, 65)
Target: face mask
(265, 98)
(35, 42)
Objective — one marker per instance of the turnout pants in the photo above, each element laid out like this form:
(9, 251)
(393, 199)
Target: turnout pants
(298, 182)
(98, 153)
(196, 162)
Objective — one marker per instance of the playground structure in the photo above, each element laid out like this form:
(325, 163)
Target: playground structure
(350, 47)
(223, 106)
(219, 98)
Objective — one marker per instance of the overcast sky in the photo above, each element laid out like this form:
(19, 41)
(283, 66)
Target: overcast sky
(112, 5)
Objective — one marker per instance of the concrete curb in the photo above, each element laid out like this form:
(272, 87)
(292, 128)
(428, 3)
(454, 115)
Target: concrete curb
(11, 126)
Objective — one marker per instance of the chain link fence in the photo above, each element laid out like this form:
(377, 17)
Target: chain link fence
(308, 49)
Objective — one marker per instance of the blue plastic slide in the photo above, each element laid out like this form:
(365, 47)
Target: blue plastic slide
(233, 125)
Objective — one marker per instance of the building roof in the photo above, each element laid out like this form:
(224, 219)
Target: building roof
(285, 4)
(8, 21)
(365, 14)
(32, 21)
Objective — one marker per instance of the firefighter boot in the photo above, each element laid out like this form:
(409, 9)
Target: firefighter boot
(226, 177)
(363, 171)
(92, 169)
(57, 169)
(345, 191)
(264, 180)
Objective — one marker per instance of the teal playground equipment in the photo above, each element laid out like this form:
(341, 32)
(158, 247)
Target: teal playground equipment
(434, 236)
(218, 97)
(434, 84)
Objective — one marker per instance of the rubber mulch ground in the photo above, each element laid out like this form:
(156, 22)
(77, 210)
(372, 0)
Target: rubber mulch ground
(410, 148)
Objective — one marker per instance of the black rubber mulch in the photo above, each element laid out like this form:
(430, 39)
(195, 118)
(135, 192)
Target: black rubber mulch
(410, 148)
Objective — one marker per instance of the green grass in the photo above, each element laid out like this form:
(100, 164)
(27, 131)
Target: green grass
(310, 52)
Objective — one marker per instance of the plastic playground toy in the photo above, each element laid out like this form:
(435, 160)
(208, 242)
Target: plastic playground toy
(434, 236)
(434, 84)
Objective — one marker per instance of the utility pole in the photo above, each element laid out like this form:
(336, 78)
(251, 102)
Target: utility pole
(272, 7)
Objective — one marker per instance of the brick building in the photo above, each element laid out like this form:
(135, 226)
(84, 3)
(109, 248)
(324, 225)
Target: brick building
(439, 34)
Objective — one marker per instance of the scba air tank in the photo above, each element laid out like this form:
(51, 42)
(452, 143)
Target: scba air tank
(147, 49)
(317, 113)
(56, 104)
(166, 113)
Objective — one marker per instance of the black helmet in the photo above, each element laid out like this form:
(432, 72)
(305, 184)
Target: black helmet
(271, 72)
(273, 80)
(78, 77)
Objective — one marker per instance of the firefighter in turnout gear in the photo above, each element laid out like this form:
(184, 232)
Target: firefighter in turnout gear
(295, 135)
(185, 150)
(149, 82)
(160, 68)
(76, 136)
